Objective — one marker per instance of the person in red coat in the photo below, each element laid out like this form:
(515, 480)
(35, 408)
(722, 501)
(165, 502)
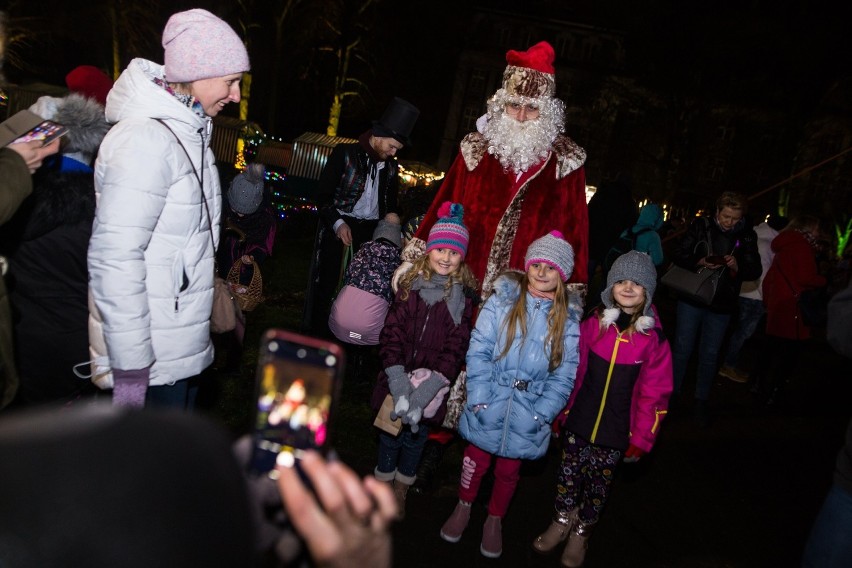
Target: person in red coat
(793, 271)
(516, 174)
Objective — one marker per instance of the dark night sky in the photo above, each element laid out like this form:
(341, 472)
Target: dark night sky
(758, 53)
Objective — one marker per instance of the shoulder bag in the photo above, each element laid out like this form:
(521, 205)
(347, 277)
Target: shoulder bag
(697, 286)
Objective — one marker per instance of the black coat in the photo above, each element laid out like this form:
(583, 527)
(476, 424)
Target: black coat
(48, 280)
(741, 242)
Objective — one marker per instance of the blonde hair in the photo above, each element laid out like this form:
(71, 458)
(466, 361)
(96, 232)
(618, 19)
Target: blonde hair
(421, 267)
(516, 320)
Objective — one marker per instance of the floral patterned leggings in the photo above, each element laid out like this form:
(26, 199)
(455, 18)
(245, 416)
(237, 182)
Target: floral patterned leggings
(585, 478)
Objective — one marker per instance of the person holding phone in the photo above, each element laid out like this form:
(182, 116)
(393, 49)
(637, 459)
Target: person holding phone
(171, 490)
(47, 242)
(17, 163)
(151, 256)
(721, 241)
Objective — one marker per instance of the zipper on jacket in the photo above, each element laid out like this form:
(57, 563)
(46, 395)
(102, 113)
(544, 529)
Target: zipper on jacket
(512, 398)
(657, 414)
(422, 332)
(618, 339)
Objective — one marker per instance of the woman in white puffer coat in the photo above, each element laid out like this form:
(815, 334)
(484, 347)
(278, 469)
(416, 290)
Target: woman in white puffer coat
(151, 254)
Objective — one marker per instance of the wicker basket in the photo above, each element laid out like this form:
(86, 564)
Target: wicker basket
(250, 295)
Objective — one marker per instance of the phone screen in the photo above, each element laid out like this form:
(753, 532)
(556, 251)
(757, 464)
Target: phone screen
(47, 131)
(297, 382)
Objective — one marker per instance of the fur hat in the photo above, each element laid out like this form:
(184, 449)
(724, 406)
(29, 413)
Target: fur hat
(397, 122)
(449, 232)
(638, 267)
(530, 73)
(246, 191)
(84, 119)
(553, 250)
(90, 82)
(200, 46)
(389, 231)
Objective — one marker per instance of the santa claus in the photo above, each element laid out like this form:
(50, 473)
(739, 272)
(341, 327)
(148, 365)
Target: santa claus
(518, 177)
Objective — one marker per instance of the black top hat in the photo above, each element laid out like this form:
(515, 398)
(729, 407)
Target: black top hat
(397, 121)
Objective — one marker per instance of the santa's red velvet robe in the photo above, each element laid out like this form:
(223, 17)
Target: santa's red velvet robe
(504, 213)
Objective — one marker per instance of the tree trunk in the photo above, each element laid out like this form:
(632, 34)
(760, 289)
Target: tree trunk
(334, 116)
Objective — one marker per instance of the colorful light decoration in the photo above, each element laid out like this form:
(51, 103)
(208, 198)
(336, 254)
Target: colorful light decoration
(410, 177)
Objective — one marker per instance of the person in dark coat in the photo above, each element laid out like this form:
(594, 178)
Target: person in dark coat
(17, 163)
(722, 241)
(612, 210)
(358, 186)
(423, 346)
(49, 236)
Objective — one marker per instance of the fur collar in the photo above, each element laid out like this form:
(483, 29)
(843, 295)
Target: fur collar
(643, 325)
(569, 155)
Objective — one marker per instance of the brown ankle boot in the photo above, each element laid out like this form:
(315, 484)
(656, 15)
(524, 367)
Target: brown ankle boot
(557, 532)
(578, 542)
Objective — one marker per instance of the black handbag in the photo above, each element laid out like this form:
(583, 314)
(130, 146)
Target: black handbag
(698, 286)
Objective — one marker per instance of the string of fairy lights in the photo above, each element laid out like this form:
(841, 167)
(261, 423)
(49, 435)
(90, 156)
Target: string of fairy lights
(286, 205)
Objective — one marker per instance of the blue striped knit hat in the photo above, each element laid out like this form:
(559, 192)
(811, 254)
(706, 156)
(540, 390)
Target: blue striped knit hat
(449, 232)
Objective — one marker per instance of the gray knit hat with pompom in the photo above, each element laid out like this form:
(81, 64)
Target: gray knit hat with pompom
(638, 267)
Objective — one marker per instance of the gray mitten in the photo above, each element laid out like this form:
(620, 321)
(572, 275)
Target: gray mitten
(400, 389)
(421, 397)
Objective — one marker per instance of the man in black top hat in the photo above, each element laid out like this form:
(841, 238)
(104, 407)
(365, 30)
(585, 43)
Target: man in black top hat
(357, 187)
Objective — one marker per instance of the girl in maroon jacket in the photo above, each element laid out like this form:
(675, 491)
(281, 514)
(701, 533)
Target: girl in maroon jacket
(423, 346)
(620, 397)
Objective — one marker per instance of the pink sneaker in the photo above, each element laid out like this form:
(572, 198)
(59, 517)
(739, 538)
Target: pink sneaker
(492, 538)
(455, 525)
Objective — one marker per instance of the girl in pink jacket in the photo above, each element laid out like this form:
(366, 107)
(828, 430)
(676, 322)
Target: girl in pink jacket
(620, 397)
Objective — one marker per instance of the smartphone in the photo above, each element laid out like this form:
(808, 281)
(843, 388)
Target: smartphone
(47, 131)
(298, 383)
(715, 259)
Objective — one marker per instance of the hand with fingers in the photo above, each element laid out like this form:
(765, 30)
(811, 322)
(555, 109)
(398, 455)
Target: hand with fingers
(347, 522)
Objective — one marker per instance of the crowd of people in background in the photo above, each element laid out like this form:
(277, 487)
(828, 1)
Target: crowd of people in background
(498, 317)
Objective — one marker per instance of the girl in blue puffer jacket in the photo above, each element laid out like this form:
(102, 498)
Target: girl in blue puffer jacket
(521, 364)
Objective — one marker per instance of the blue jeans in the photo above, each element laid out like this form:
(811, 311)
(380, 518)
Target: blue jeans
(402, 453)
(830, 542)
(750, 313)
(180, 395)
(690, 320)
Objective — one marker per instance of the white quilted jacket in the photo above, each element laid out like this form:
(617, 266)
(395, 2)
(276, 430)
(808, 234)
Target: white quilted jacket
(151, 253)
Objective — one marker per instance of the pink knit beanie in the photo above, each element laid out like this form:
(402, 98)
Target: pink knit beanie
(200, 46)
(449, 231)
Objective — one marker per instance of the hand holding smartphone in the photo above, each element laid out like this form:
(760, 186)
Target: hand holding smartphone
(26, 126)
(716, 259)
(298, 382)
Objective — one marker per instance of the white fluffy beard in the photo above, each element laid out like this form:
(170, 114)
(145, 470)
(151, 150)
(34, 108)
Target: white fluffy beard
(519, 145)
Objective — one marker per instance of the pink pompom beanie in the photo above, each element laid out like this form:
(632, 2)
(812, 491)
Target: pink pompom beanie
(201, 46)
(449, 231)
(552, 249)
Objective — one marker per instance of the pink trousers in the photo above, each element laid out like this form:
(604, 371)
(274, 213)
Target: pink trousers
(506, 474)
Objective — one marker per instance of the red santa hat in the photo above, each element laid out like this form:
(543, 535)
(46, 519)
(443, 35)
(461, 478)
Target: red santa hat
(530, 73)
